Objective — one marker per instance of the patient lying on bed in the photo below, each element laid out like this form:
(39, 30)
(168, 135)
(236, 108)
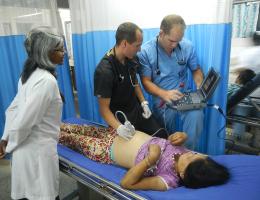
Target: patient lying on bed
(153, 163)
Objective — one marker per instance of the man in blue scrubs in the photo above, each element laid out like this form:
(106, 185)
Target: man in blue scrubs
(165, 62)
(117, 88)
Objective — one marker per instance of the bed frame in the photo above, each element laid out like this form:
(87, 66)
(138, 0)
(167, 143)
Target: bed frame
(100, 185)
(105, 179)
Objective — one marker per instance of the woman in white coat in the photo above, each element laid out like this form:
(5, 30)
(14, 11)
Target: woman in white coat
(33, 120)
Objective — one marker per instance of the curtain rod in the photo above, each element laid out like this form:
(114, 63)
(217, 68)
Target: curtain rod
(246, 1)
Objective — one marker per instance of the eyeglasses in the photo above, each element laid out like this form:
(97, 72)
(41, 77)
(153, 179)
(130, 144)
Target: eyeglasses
(61, 50)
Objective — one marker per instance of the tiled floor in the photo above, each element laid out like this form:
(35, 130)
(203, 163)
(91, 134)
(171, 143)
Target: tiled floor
(67, 185)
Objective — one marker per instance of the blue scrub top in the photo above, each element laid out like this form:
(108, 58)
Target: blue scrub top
(172, 75)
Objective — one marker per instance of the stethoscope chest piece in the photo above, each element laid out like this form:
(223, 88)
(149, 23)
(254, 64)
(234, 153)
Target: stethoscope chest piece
(181, 61)
(121, 78)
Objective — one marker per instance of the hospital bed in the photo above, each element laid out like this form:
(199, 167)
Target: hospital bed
(105, 179)
(243, 92)
(245, 110)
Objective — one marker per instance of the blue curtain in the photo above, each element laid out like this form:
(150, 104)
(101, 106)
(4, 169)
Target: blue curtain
(212, 43)
(88, 49)
(12, 57)
(65, 85)
(17, 18)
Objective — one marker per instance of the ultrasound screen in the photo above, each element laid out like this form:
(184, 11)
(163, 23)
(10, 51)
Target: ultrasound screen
(209, 82)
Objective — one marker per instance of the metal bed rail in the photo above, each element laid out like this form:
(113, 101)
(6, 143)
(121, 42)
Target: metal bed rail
(251, 121)
(100, 185)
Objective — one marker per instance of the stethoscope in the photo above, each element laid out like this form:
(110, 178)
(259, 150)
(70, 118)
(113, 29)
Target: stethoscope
(120, 76)
(181, 61)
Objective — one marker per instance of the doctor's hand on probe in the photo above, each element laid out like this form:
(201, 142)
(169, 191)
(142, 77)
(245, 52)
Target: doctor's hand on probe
(3, 144)
(126, 131)
(147, 112)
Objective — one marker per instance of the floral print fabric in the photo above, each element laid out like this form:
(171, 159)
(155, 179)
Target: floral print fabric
(93, 142)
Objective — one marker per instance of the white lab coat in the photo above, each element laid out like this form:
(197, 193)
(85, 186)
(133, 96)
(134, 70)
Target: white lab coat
(32, 127)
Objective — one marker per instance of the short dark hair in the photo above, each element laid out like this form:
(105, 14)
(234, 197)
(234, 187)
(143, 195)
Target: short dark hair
(170, 21)
(244, 76)
(127, 31)
(205, 172)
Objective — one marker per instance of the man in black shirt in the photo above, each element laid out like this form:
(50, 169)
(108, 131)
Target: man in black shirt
(117, 88)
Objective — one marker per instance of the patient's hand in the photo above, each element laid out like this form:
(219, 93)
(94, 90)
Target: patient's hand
(178, 138)
(153, 155)
(3, 144)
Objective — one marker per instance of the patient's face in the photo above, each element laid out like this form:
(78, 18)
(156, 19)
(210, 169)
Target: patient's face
(185, 159)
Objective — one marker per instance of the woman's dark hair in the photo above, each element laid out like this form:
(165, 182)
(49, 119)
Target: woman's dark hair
(244, 76)
(205, 172)
(39, 43)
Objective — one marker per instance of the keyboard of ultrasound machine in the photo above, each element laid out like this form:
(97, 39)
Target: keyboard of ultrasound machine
(188, 98)
(188, 102)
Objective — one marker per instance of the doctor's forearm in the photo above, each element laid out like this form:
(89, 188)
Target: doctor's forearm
(106, 113)
(109, 118)
(139, 94)
(154, 89)
(198, 77)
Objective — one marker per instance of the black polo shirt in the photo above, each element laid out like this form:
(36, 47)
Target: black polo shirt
(116, 81)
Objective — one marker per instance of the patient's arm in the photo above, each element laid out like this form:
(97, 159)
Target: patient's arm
(134, 179)
(178, 138)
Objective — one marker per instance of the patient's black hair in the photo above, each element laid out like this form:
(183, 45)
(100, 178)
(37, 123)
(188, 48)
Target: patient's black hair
(205, 172)
(244, 76)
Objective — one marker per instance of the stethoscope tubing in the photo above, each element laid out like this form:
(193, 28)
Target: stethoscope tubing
(179, 61)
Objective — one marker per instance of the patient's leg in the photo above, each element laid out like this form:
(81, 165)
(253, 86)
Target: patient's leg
(97, 149)
(88, 130)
